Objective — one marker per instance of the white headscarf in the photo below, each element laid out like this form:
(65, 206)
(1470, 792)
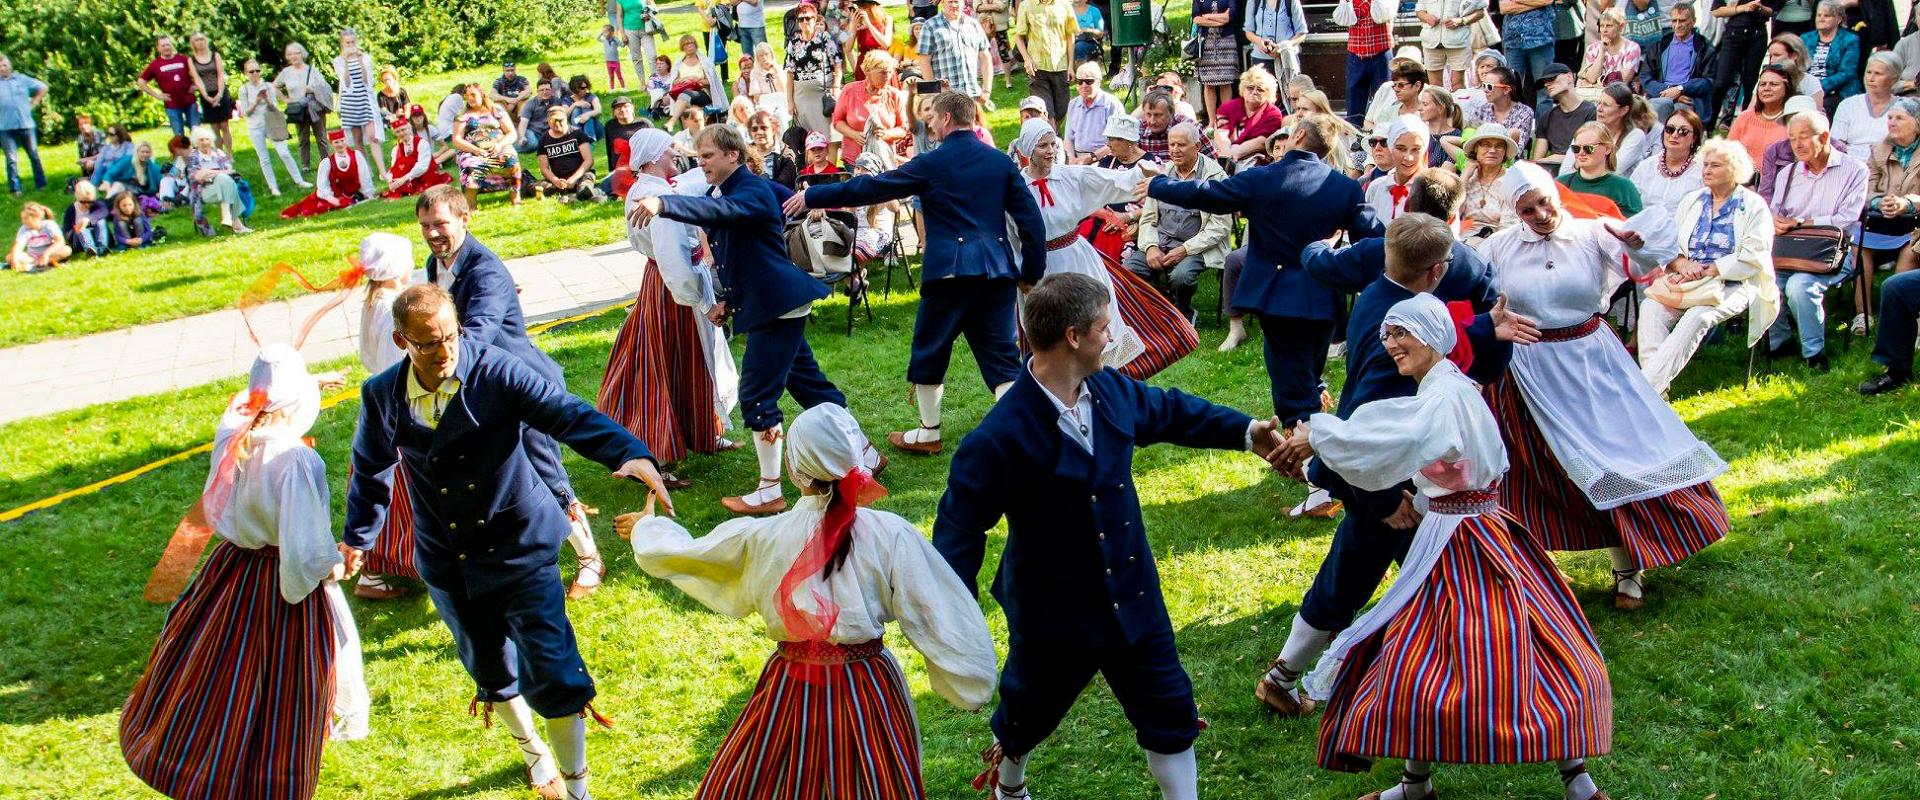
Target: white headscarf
(645, 146)
(280, 372)
(1031, 133)
(1424, 316)
(1524, 177)
(386, 256)
(1405, 124)
(824, 443)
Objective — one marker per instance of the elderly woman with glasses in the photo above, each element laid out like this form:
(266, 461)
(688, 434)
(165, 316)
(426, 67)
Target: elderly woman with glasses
(1246, 121)
(1484, 208)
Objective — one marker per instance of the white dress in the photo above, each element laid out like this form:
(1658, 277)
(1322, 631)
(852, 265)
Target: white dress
(1659, 192)
(1072, 192)
(690, 283)
(1612, 434)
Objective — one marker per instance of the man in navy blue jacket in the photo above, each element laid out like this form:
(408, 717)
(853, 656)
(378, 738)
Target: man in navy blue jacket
(968, 190)
(488, 304)
(1288, 204)
(453, 416)
(768, 297)
(1077, 579)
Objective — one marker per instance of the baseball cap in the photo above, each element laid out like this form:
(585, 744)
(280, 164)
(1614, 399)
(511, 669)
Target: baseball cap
(816, 139)
(1554, 71)
(1031, 103)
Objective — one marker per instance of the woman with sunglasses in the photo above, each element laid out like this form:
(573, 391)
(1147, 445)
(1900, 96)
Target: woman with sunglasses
(1674, 174)
(1592, 159)
(813, 71)
(258, 101)
(1499, 83)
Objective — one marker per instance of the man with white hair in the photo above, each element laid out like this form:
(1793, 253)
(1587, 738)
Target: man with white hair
(1821, 188)
(1087, 114)
(1177, 242)
(1407, 138)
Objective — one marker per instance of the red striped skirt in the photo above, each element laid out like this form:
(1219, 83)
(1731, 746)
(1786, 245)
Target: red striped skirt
(1161, 327)
(1491, 663)
(658, 383)
(392, 554)
(1655, 532)
(238, 695)
(822, 726)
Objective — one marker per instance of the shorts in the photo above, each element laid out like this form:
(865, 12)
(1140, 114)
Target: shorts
(1447, 58)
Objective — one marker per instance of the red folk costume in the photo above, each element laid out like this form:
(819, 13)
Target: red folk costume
(413, 170)
(345, 181)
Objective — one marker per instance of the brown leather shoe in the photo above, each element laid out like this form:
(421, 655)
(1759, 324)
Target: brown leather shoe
(380, 593)
(595, 565)
(899, 440)
(738, 505)
(674, 482)
(555, 789)
(1626, 602)
(1281, 700)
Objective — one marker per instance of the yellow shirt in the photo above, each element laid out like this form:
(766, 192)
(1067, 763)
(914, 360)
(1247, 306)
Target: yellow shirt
(1048, 26)
(429, 406)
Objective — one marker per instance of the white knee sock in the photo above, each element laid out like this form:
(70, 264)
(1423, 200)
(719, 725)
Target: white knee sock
(1582, 785)
(928, 399)
(586, 549)
(1304, 645)
(1001, 390)
(569, 734)
(1013, 771)
(518, 719)
(1623, 564)
(1177, 774)
(769, 454)
(1412, 790)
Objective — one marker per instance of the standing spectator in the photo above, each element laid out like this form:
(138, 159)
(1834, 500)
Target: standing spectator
(610, 52)
(1217, 67)
(1613, 58)
(750, 24)
(994, 17)
(210, 178)
(922, 10)
(1743, 42)
(872, 107)
(813, 68)
(533, 115)
(716, 17)
(1526, 34)
(1446, 38)
(583, 108)
(1089, 31)
(566, 161)
(392, 97)
(1502, 89)
(1276, 28)
(484, 137)
(309, 100)
(1670, 174)
(953, 50)
(1563, 117)
(1593, 169)
(1087, 114)
(511, 90)
(211, 86)
(1822, 187)
(872, 30)
(631, 18)
(1570, 29)
(1043, 31)
(1860, 122)
(168, 78)
(765, 82)
(1795, 17)
(1245, 122)
(37, 244)
(1761, 125)
(1179, 242)
(127, 222)
(1369, 44)
(1833, 55)
(1875, 22)
(259, 106)
(1677, 69)
(85, 221)
(359, 115)
(19, 95)
(88, 142)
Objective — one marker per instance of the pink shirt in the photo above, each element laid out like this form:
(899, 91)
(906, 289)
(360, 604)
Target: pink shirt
(856, 107)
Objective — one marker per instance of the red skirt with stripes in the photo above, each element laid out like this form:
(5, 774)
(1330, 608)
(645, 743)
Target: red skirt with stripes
(392, 553)
(1655, 532)
(1165, 331)
(658, 383)
(839, 726)
(238, 695)
(1491, 663)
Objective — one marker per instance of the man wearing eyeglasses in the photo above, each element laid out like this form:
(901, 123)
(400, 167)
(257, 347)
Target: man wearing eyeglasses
(1678, 69)
(1087, 114)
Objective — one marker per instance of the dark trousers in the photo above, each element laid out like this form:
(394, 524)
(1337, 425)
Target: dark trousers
(311, 132)
(1364, 75)
(1230, 278)
(1051, 87)
(516, 641)
(1899, 307)
(1356, 562)
(980, 309)
(1296, 352)
(778, 359)
(1738, 64)
(1045, 675)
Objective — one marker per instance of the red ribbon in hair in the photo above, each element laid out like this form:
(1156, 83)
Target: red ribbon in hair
(1046, 195)
(857, 489)
(1462, 353)
(196, 528)
(263, 288)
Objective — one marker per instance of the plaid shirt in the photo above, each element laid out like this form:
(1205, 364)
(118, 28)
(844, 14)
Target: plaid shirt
(1368, 38)
(1155, 142)
(954, 48)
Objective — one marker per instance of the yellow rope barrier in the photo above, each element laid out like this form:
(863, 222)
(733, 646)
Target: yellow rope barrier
(40, 505)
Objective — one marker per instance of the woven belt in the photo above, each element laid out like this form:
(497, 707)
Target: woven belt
(1572, 332)
(1468, 503)
(1063, 242)
(830, 653)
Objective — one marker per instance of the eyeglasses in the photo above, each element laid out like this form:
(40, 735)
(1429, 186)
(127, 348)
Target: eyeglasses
(428, 347)
(1404, 84)
(1680, 131)
(1587, 149)
(1087, 81)
(1488, 87)
(806, 18)
(1376, 141)
(253, 72)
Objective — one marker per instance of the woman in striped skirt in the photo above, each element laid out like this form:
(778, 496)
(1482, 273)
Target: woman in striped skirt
(388, 261)
(258, 663)
(670, 378)
(1599, 460)
(359, 113)
(831, 716)
(1148, 332)
(1478, 654)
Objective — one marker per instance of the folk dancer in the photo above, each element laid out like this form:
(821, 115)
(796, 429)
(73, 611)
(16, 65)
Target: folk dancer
(1077, 580)
(1479, 653)
(388, 261)
(1599, 460)
(343, 180)
(259, 661)
(413, 167)
(969, 275)
(454, 417)
(831, 716)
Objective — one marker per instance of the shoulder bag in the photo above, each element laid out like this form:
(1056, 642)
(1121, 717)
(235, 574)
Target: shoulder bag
(1813, 249)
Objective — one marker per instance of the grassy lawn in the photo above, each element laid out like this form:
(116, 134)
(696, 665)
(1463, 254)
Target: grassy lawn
(1775, 664)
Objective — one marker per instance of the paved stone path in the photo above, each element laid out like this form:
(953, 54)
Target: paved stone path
(47, 377)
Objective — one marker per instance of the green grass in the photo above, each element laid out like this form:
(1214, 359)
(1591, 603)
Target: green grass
(1775, 664)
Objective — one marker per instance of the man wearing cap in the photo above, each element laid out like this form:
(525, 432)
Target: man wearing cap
(511, 90)
(1407, 139)
(968, 190)
(1043, 31)
(1034, 108)
(1087, 114)
(1562, 119)
(1179, 242)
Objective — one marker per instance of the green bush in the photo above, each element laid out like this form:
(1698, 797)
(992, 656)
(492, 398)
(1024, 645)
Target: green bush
(90, 51)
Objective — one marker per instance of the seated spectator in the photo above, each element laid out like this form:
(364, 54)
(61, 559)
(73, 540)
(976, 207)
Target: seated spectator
(1176, 87)
(819, 156)
(128, 224)
(344, 179)
(211, 179)
(1672, 174)
(625, 122)
(88, 142)
(777, 163)
(1677, 71)
(135, 172)
(875, 228)
(1407, 139)
(451, 107)
(1611, 58)
(1630, 122)
(533, 115)
(1473, 96)
(544, 73)
(173, 182)
(1485, 208)
(764, 81)
(119, 145)
(695, 84)
(1908, 49)
(1893, 343)
(1246, 121)
(483, 138)
(739, 113)
(1833, 55)
(1446, 37)
(660, 88)
(1087, 114)
(1780, 153)
(1861, 121)
(412, 167)
(37, 244)
(1759, 126)
(1593, 171)
(1823, 187)
(1893, 201)
(1647, 21)
(1563, 117)
(1444, 121)
(1091, 34)
(1379, 159)
(583, 108)
(391, 97)
(511, 90)
(1725, 267)
(566, 161)
(84, 224)
(1400, 95)
(1158, 116)
(1174, 244)
(1787, 50)
(1499, 85)
(873, 107)
(691, 120)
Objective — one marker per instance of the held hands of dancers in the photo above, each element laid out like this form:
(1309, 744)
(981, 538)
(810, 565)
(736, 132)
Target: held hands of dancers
(1406, 517)
(1290, 454)
(1511, 326)
(1264, 436)
(717, 313)
(350, 562)
(330, 381)
(795, 204)
(644, 471)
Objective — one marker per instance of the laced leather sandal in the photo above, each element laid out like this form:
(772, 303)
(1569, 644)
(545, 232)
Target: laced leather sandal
(1277, 697)
(1623, 601)
(1409, 779)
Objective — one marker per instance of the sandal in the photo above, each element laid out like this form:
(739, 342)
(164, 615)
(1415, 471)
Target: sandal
(594, 565)
(1409, 779)
(1277, 697)
(1623, 601)
(1568, 775)
(989, 779)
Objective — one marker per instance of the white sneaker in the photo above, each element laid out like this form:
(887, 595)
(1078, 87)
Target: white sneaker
(1859, 325)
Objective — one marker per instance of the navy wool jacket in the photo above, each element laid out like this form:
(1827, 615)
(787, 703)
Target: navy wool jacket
(758, 280)
(1288, 204)
(489, 304)
(482, 518)
(1077, 563)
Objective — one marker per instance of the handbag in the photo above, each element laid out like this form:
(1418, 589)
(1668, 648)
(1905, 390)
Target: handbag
(1813, 249)
(1682, 295)
(276, 124)
(1191, 47)
(826, 105)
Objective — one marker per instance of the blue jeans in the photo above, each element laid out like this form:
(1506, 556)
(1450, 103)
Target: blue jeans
(1364, 75)
(183, 119)
(11, 140)
(94, 239)
(529, 139)
(751, 38)
(1804, 293)
(1528, 64)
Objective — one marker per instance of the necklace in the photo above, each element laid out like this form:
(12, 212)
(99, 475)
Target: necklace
(1670, 174)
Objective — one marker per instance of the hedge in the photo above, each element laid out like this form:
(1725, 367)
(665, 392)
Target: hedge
(90, 51)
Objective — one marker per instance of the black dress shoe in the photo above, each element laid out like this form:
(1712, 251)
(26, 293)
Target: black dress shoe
(1818, 363)
(1788, 350)
(1885, 383)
